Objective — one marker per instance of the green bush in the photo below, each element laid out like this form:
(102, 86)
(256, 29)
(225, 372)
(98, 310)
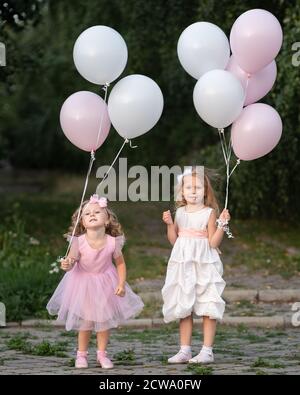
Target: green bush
(25, 282)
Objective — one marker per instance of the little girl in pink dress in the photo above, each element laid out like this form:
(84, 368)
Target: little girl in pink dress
(93, 294)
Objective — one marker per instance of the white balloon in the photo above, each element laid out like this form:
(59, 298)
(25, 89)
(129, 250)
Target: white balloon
(219, 98)
(202, 47)
(135, 105)
(100, 54)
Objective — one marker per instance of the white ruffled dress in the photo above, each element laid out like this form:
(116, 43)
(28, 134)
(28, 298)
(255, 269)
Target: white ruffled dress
(194, 282)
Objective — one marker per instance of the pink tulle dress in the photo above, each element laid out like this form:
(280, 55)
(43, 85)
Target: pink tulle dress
(85, 298)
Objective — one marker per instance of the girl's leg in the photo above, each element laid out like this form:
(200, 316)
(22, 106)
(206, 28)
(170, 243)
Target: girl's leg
(209, 331)
(102, 340)
(186, 329)
(83, 340)
(185, 332)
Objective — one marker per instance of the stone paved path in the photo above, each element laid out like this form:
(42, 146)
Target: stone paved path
(137, 351)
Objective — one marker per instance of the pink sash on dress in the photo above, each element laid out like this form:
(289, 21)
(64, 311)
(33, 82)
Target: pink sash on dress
(190, 232)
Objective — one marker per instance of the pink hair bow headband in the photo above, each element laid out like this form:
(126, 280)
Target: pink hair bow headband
(102, 201)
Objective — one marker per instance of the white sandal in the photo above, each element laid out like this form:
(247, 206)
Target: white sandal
(203, 357)
(181, 357)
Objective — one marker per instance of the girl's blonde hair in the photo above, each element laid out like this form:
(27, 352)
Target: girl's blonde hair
(210, 199)
(114, 227)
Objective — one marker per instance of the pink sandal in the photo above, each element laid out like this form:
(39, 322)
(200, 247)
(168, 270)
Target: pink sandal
(104, 361)
(81, 360)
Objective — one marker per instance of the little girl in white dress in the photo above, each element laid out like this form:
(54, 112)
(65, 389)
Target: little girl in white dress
(194, 283)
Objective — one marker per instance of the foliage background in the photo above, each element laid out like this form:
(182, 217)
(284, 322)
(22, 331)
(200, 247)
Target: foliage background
(40, 75)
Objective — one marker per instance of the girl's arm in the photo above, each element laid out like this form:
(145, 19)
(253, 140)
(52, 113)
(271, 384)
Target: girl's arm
(172, 230)
(73, 256)
(121, 269)
(172, 233)
(215, 235)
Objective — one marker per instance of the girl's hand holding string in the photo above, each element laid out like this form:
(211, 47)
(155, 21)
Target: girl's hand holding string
(225, 216)
(67, 263)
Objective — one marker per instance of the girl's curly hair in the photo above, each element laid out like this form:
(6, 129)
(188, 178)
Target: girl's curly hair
(210, 199)
(114, 227)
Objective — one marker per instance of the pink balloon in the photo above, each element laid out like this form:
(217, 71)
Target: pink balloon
(256, 132)
(255, 39)
(259, 84)
(80, 118)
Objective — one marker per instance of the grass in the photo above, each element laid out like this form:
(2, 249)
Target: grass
(200, 369)
(19, 343)
(263, 363)
(240, 332)
(245, 304)
(126, 357)
(71, 363)
(253, 338)
(151, 309)
(68, 334)
(271, 245)
(163, 359)
(44, 348)
(260, 372)
(245, 308)
(275, 334)
(147, 335)
(241, 328)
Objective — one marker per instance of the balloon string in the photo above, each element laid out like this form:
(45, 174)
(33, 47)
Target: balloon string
(228, 175)
(86, 184)
(105, 88)
(82, 199)
(132, 146)
(227, 150)
(236, 165)
(116, 157)
(246, 87)
(221, 131)
(227, 182)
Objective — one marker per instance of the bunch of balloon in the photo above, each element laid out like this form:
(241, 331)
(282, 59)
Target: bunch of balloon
(134, 105)
(100, 56)
(228, 86)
